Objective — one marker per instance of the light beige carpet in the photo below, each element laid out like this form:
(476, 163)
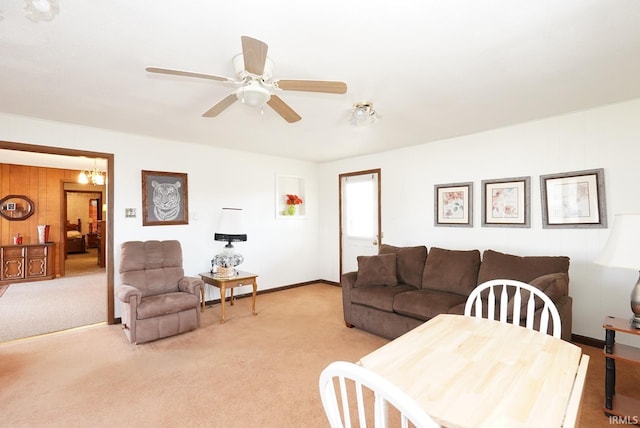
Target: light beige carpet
(32, 308)
(252, 371)
(82, 263)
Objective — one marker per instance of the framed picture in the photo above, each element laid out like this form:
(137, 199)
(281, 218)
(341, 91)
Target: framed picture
(11, 206)
(164, 198)
(573, 199)
(452, 204)
(506, 202)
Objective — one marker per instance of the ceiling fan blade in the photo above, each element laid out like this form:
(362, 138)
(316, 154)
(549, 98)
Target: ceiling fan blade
(255, 54)
(187, 73)
(312, 86)
(221, 106)
(283, 109)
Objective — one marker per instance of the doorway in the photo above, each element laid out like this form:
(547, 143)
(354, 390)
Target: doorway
(360, 224)
(108, 212)
(83, 213)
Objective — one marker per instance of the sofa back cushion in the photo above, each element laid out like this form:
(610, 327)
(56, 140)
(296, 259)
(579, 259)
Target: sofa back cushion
(376, 270)
(153, 267)
(409, 263)
(453, 271)
(496, 265)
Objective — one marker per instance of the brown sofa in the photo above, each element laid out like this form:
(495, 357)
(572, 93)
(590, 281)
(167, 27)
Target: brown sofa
(402, 287)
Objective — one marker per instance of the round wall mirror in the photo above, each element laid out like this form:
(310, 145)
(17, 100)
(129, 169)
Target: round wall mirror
(16, 207)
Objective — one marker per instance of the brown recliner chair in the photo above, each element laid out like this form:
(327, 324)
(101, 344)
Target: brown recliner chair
(157, 299)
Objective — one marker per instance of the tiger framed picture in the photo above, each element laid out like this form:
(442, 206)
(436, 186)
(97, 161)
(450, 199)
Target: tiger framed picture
(164, 198)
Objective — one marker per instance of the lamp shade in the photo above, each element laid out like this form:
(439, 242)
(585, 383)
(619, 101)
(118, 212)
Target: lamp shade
(621, 249)
(230, 227)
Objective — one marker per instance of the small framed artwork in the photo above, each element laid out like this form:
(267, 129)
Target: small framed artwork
(506, 202)
(453, 204)
(574, 199)
(11, 206)
(164, 198)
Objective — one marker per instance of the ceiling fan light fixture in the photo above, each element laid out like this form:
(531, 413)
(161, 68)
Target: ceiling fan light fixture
(253, 94)
(363, 113)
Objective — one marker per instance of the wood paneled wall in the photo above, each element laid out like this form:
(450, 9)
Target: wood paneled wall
(44, 186)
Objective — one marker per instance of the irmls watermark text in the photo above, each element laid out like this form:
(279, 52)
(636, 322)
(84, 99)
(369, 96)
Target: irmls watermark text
(624, 420)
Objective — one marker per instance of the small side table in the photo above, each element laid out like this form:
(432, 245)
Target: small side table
(616, 404)
(242, 278)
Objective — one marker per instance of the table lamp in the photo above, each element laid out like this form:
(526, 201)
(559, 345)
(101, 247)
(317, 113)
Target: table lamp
(230, 229)
(621, 250)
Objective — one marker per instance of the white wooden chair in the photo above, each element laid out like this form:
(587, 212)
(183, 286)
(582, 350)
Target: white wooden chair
(476, 300)
(383, 390)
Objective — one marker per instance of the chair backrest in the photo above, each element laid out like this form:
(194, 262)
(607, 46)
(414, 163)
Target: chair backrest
(351, 379)
(514, 301)
(153, 267)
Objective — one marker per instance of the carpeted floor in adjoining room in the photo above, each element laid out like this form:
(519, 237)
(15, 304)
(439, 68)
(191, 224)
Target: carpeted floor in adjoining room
(39, 307)
(252, 371)
(82, 263)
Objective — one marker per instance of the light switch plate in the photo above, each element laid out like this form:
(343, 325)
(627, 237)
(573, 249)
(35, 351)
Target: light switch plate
(130, 212)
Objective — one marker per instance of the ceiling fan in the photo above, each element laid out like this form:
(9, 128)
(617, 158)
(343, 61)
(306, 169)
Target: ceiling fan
(254, 84)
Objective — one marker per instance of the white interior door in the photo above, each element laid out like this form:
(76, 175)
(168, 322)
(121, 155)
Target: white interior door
(359, 217)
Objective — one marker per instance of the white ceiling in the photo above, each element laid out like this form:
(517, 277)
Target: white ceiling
(433, 68)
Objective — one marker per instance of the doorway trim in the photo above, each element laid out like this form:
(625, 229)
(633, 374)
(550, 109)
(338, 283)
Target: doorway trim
(377, 171)
(110, 197)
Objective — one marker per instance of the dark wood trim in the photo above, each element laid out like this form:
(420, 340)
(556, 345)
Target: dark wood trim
(8, 145)
(272, 290)
(589, 341)
(352, 174)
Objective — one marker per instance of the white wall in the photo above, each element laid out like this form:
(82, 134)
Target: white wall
(606, 137)
(281, 251)
(287, 251)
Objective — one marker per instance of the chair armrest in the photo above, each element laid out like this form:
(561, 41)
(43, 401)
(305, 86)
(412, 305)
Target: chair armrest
(126, 292)
(191, 285)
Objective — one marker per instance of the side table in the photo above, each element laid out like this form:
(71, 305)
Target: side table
(242, 278)
(616, 404)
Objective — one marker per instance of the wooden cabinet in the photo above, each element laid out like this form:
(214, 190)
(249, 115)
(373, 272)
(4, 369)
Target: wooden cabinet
(93, 241)
(618, 404)
(26, 262)
(102, 239)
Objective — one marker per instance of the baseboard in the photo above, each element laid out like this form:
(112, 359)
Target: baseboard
(576, 338)
(589, 341)
(272, 290)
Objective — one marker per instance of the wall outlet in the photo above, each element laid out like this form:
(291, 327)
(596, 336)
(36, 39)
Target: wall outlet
(129, 212)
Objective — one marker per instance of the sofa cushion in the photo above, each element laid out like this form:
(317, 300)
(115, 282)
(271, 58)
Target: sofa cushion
(554, 285)
(376, 270)
(496, 265)
(452, 271)
(409, 263)
(163, 304)
(378, 296)
(426, 304)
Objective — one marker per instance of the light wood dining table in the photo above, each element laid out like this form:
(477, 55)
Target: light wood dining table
(475, 372)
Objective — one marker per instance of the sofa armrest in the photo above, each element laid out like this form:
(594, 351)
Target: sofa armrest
(126, 292)
(565, 308)
(347, 282)
(554, 285)
(191, 285)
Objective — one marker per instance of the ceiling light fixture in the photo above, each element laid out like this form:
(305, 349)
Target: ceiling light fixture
(95, 176)
(41, 10)
(253, 94)
(363, 114)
